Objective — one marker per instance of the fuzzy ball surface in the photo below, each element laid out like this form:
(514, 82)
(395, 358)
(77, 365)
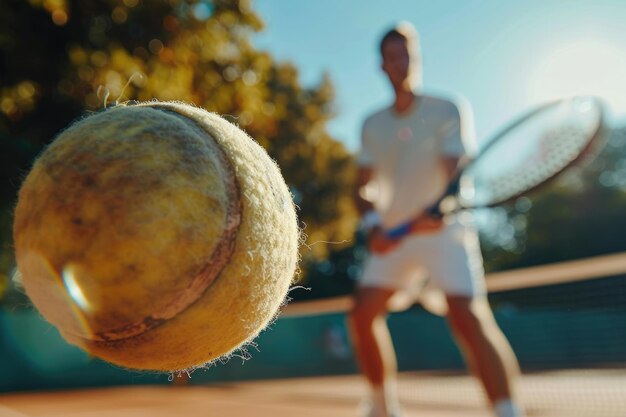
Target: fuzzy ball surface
(156, 236)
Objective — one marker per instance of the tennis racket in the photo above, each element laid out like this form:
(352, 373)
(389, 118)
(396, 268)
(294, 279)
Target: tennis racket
(525, 155)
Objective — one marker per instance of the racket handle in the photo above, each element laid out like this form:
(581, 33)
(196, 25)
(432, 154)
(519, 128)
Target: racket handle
(405, 229)
(399, 231)
(435, 211)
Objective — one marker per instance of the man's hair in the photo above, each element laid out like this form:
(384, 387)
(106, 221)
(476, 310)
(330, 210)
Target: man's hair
(402, 31)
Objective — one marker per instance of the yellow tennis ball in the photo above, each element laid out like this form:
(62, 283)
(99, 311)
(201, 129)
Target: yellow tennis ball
(156, 236)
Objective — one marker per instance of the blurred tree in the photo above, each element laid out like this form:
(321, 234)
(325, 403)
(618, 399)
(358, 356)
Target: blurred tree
(55, 54)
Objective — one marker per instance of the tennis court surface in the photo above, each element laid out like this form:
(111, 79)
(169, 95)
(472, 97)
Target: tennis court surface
(547, 394)
(565, 322)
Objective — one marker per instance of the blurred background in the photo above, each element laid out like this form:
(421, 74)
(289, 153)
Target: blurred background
(300, 77)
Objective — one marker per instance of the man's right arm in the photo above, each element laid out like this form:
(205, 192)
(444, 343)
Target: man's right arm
(378, 242)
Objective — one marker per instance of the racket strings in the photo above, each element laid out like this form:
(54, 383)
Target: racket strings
(530, 154)
(557, 149)
(560, 149)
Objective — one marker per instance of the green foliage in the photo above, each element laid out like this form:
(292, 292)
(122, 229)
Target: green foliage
(59, 58)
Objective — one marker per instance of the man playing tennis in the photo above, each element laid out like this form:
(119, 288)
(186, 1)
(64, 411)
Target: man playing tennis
(409, 151)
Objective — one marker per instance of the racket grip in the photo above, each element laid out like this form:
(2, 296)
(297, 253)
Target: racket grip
(399, 231)
(404, 229)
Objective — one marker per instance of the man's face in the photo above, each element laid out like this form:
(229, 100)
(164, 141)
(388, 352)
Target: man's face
(397, 61)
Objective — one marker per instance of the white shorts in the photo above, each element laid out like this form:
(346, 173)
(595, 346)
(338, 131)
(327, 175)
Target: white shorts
(449, 261)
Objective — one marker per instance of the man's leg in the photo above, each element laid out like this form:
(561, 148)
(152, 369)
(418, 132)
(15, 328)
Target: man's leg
(486, 350)
(374, 348)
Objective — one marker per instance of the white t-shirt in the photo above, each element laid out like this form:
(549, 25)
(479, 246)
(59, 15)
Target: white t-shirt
(405, 152)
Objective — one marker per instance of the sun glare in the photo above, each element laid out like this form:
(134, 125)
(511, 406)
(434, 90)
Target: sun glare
(582, 67)
(69, 279)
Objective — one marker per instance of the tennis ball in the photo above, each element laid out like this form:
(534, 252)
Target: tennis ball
(156, 236)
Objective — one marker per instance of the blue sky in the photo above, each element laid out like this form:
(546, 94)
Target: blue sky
(503, 56)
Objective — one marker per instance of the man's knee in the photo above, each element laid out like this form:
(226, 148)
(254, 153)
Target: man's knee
(470, 317)
(368, 306)
(363, 314)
